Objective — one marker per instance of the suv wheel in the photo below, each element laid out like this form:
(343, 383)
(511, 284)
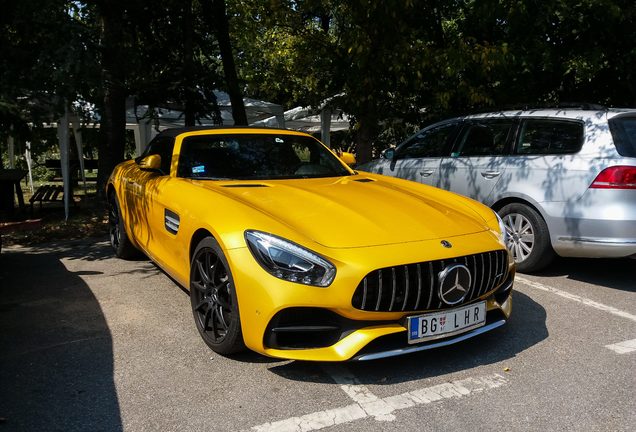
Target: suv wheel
(528, 237)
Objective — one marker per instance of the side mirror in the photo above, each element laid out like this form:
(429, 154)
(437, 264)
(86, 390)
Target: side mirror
(151, 163)
(388, 154)
(348, 158)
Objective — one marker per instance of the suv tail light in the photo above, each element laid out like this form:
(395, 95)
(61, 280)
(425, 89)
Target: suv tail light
(616, 177)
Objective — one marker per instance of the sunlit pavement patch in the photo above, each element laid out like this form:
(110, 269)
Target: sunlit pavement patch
(369, 405)
(587, 302)
(623, 347)
(620, 347)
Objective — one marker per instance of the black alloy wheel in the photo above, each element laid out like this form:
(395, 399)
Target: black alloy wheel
(213, 299)
(119, 240)
(113, 222)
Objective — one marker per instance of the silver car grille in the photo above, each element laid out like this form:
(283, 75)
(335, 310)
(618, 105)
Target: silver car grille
(415, 287)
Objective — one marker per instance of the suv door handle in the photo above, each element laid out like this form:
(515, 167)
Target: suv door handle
(426, 173)
(490, 174)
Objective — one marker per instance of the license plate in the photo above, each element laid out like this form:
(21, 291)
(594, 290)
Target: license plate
(437, 325)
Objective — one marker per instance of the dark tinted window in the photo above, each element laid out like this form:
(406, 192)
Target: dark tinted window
(428, 143)
(163, 147)
(624, 134)
(484, 138)
(549, 137)
(256, 157)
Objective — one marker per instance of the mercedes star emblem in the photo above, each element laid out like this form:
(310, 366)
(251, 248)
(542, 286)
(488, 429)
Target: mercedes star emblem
(454, 283)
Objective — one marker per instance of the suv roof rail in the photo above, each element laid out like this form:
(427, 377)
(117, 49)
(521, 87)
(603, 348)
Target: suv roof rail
(583, 106)
(573, 105)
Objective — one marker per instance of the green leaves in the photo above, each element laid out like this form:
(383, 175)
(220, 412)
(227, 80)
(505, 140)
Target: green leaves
(391, 62)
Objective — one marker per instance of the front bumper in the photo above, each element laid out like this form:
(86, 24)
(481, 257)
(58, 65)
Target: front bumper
(389, 339)
(355, 334)
(385, 353)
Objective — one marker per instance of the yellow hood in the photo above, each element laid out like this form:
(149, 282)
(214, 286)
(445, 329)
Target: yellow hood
(357, 211)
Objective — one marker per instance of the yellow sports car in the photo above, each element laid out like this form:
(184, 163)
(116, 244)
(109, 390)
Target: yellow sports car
(290, 253)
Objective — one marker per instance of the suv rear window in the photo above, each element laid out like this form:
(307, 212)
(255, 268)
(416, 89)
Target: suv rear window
(624, 134)
(549, 137)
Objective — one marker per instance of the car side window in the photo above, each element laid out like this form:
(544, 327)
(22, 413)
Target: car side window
(484, 138)
(624, 133)
(549, 137)
(428, 143)
(162, 146)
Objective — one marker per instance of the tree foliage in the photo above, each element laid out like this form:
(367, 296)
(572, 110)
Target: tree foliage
(392, 65)
(44, 59)
(398, 62)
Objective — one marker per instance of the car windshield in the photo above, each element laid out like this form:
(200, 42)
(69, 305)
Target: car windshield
(256, 157)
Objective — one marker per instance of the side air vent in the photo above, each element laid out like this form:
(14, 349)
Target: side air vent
(364, 180)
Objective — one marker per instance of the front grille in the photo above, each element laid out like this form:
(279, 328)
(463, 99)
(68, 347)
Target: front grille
(415, 287)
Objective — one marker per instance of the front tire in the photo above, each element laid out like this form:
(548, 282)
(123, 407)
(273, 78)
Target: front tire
(528, 237)
(119, 240)
(213, 299)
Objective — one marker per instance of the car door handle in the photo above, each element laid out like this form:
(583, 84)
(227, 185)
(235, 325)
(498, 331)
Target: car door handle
(490, 174)
(426, 173)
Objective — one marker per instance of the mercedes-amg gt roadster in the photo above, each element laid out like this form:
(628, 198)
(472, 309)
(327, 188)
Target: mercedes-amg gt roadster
(289, 252)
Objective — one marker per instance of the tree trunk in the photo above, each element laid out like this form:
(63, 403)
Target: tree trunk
(113, 116)
(215, 11)
(189, 89)
(367, 131)
(325, 20)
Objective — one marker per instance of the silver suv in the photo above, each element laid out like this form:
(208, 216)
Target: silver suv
(563, 180)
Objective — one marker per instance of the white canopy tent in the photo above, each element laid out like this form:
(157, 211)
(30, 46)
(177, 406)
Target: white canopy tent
(138, 120)
(307, 119)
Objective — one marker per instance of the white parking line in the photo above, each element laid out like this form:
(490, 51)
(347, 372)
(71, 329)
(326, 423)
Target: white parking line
(574, 297)
(623, 347)
(360, 394)
(369, 405)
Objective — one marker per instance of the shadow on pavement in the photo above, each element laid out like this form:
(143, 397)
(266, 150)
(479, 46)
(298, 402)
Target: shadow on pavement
(526, 327)
(56, 352)
(617, 274)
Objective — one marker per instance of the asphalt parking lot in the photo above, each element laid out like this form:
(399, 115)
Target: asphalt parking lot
(90, 342)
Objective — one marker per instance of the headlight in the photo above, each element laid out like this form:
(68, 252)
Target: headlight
(502, 228)
(289, 261)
